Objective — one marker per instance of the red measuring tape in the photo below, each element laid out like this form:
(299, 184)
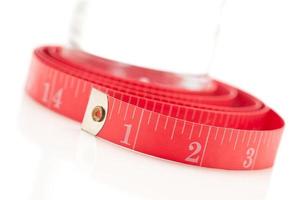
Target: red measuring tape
(221, 127)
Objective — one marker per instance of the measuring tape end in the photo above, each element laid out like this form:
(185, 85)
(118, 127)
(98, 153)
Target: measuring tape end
(95, 113)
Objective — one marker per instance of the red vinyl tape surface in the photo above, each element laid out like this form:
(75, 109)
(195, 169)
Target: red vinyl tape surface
(221, 127)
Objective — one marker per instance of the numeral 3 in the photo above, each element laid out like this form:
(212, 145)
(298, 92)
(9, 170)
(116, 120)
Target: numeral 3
(249, 158)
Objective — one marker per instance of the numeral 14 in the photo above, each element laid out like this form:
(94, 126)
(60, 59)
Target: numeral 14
(55, 98)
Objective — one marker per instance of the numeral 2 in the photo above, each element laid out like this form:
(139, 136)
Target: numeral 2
(56, 98)
(195, 147)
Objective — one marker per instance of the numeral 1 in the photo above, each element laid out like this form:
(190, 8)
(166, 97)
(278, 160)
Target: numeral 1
(127, 134)
(56, 99)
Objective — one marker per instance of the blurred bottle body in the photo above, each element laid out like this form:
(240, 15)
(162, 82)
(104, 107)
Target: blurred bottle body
(167, 35)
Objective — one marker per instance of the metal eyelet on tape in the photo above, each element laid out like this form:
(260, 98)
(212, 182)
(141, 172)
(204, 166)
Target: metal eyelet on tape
(223, 127)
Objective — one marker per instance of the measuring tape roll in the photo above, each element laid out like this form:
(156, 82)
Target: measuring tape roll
(218, 127)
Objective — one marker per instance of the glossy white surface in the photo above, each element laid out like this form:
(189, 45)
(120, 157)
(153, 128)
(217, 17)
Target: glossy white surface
(75, 163)
(46, 156)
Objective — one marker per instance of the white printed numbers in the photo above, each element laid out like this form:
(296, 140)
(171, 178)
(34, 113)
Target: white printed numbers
(127, 134)
(195, 147)
(55, 99)
(249, 158)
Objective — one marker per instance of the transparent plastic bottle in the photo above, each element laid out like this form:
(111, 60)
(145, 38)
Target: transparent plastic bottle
(177, 36)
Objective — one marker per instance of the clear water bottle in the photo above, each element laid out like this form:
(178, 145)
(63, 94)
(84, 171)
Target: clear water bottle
(178, 37)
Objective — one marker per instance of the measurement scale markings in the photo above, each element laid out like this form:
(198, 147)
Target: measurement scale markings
(151, 113)
(184, 121)
(200, 131)
(249, 138)
(244, 137)
(206, 142)
(255, 136)
(193, 115)
(183, 127)
(72, 81)
(133, 112)
(77, 88)
(126, 111)
(52, 87)
(226, 120)
(191, 132)
(265, 137)
(200, 117)
(84, 86)
(173, 132)
(157, 121)
(66, 81)
(236, 139)
(120, 106)
(223, 135)
(214, 118)
(167, 120)
(256, 152)
(138, 129)
(112, 108)
(230, 135)
(270, 140)
(216, 134)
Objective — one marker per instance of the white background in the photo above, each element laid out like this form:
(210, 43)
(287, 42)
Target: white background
(45, 156)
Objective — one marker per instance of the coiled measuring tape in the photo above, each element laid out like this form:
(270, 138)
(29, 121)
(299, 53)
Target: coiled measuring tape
(221, 127)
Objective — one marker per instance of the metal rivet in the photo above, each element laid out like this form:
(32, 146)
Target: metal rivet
(98, 114)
